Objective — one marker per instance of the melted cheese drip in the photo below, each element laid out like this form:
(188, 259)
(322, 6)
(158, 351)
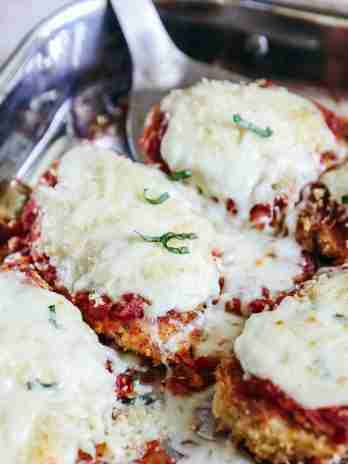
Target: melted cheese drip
(213, 453)
(134, 426)
(196, 448)
(253, 260)
(303, 346)
(230, 162)
(55, 393)
(336, 181)
(88, 229)
(219, 330)
(250, 258)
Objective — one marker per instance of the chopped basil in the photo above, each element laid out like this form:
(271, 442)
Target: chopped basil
(157, 200)
(344, 199)
(165, 239)
(128, 401)
(52, 316)
(240, 122)
(341, 319)
(180, 175)
(147, 399)
(37, 383)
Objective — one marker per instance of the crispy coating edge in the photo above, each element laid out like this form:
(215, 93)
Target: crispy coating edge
(262, 430)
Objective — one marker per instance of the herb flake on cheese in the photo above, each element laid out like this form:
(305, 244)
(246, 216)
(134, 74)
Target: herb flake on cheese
(243, 124)
(156, 200)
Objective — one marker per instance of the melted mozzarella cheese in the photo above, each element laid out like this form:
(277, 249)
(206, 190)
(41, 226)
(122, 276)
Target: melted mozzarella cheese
(336, 181)
(213, 452)
(302, 346)
(90, 225)
(253, 261)
(134, 427)
(230, 162)
(55, 392)
(219, 330)
(191, 438)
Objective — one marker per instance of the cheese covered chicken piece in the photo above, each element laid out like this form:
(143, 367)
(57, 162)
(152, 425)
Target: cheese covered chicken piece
(104, 233)
(252, 146)
(133, 251)
(285, 394)
(59, 401)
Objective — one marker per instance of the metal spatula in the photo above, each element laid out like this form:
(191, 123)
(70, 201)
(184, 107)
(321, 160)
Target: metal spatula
(158, 65)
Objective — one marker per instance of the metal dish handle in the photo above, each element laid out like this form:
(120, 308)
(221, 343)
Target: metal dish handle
(336, 8)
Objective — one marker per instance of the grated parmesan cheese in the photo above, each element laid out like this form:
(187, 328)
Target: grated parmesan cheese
(55, 392)
(89, 225)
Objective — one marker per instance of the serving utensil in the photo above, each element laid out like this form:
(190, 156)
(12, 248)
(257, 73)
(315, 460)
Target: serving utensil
(158, 65)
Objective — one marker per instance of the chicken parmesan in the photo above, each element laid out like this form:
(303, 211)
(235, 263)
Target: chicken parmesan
(252, 146)
(284, 394)
(134, 252)
(63, 399)
(153, 265)
(203, 269)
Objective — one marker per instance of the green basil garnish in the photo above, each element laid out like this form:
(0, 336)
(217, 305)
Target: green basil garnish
(165, 239)
(156, 200)
(52, 316)
(37, 383)
(180, 175)
(240, 122)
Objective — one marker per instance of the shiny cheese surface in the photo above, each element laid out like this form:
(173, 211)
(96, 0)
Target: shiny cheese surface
(250, 259)
(90, 225)
(336, 181)
(55, 393)
(228, 161)
(302, 346)
(132, 428)
(191, 432)
(253, 261)
(219, 330)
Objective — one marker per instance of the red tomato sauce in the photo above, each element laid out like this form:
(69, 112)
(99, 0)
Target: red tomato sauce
(330, 421)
